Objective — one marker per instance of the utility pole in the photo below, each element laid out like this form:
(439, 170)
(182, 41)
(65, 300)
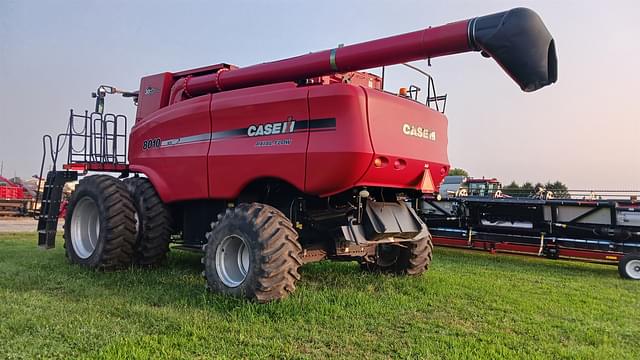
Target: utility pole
(1, 167)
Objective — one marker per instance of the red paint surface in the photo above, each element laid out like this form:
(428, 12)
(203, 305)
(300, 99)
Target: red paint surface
(11, 191)
(427, 43)
(177, 172)
(369, 124)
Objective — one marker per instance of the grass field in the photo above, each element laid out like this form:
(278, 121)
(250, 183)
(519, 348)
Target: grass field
(469, 305)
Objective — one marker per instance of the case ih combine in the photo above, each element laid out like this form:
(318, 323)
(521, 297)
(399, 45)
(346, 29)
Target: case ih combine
(274, 165)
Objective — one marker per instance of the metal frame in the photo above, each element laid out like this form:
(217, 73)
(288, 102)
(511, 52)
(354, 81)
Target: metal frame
(458, 222)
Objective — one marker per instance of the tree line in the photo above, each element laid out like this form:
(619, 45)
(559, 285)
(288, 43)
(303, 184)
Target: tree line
(558, 188)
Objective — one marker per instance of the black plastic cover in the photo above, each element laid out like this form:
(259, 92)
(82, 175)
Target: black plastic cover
(520, 43)
(386, 219)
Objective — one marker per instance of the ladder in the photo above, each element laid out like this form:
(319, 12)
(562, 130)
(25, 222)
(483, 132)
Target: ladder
(50, 206)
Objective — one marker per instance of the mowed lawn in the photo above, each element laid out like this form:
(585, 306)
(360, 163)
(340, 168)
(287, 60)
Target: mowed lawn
(469, 305)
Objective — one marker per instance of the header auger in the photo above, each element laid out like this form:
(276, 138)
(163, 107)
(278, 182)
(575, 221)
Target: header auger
(270, 166)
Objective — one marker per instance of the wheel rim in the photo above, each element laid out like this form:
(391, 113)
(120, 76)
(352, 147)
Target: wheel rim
(633, 269)
(85, 227)
(232, 260)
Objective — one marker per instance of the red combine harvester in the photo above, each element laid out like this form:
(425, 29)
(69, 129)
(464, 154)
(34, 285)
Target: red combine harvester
(270, 166)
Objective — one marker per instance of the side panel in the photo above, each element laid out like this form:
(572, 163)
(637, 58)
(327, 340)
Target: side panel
(259, 132)
(337, 157)
(170, 146)
(154, 94)
(409, 137)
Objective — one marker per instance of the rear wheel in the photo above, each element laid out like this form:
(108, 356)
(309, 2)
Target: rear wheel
(410, 258)
(252, 251)
(99, 225)
(153, 223)
(629, 266)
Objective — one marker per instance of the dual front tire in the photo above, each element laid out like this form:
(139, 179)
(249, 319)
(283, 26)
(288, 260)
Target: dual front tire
(111, 224)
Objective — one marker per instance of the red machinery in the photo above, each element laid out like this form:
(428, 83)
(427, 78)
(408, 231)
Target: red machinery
(13, 198)
(273, 165)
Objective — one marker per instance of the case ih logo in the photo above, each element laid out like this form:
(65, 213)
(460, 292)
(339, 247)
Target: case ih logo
(417, 131)
(276, 128)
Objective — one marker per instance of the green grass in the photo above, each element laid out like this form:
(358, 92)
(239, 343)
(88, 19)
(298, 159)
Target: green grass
(469, 305)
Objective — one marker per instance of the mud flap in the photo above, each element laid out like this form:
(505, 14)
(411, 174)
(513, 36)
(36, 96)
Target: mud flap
(385, 222)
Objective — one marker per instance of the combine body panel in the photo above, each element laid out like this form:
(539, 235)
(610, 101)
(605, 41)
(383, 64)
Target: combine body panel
(172, 149)
(405, 134)
(277, 164)
(292, 134)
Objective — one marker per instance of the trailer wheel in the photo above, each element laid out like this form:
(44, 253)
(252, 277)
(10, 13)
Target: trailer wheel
(411, 258)
(252, 251)
(99, 229)
(629, 266)
(153, 223)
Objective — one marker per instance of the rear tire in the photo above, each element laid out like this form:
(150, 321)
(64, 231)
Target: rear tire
(253, 252)
(629, 266)
(410, 258)
(153, 227)
(99, 229)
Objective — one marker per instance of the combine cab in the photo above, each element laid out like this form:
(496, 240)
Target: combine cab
(268, 167)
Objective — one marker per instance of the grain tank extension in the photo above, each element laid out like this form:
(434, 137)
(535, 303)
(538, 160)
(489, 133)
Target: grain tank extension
(270, 166)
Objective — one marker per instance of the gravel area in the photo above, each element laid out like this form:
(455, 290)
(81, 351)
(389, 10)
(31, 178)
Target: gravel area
(21, 224)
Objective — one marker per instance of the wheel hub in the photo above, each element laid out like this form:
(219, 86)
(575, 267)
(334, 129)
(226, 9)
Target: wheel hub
(85, 227)
(232, 260)
(633, 269)
(387, 255)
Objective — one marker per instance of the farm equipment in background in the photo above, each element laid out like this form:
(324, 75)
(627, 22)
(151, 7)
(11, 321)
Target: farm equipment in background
(460, 186)
(15, 200)
(595, 230)
(270, 166)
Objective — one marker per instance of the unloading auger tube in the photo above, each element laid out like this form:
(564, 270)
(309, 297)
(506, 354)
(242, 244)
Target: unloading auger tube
(516, 39)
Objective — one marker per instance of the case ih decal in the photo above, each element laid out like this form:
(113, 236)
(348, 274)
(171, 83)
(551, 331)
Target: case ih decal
(267, 129)
(271, 128)
(417, 131)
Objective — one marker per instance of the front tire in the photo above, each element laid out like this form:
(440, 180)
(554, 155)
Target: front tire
(252, 252)
(153, 226)
(99, 225)
(629, 266)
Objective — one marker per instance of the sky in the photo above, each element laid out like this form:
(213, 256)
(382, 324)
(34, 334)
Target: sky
(584, 130)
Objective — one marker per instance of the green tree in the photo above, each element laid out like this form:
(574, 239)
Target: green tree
(458, 172)
(559, 189)
(526, 189)
(512, 189)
